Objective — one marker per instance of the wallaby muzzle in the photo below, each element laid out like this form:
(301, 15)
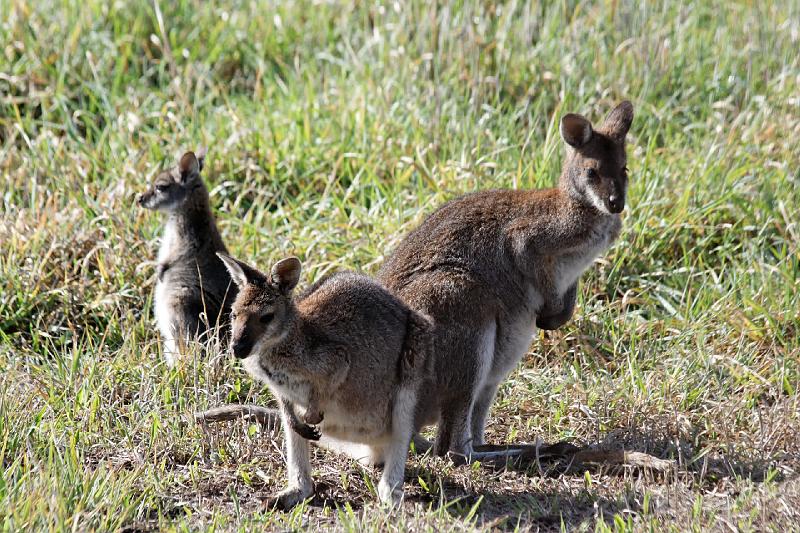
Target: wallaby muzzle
(241, 347)
(615, 204)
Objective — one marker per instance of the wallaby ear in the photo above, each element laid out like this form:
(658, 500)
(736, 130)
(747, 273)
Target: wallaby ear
(575, 130)
(189, 166)
(618, 122)
(241, 273)
(201, 157)
(286, 273)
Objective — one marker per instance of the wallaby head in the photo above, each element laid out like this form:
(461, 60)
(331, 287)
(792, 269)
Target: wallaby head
(594, 170)
(263, 311)
(171, 188)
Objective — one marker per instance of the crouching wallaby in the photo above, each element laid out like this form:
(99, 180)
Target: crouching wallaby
(491, 266)
(345, 354)
(193, 290)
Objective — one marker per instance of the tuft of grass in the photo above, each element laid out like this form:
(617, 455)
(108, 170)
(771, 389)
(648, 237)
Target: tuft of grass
(333, 128)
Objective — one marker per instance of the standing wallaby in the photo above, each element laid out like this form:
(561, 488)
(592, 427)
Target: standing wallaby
(346, 353)
(491, 266)
(193, 291)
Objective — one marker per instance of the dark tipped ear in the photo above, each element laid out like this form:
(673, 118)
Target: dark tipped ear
(286, 273)
(201, 157)
(575, 130)
(241, 273)
(618, 122)
(189, 166)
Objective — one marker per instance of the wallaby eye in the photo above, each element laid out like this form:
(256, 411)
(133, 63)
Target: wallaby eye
(161, 187)
(592, 174)
(266, 318)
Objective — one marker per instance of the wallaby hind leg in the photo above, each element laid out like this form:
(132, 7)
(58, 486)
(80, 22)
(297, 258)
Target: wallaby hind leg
(170, 351)
(390, 487)
(480, 412)
(455, 426)
(181, 330)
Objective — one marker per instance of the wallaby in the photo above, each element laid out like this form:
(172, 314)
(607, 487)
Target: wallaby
(490, 267)
(193, 290)
(346, 353)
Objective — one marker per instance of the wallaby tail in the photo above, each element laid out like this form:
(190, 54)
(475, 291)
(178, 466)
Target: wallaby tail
(417, 346)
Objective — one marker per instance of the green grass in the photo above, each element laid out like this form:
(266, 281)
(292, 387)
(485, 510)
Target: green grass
(333, 128)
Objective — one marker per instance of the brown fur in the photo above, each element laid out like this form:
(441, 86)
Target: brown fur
(345, 353)
(489, 266)
(193, 290)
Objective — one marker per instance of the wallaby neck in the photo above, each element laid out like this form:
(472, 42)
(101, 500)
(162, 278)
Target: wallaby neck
(193, 225)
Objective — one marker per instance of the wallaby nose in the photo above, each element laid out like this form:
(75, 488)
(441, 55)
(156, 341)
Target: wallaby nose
(140, 199)
(241, 349)
(615, 204)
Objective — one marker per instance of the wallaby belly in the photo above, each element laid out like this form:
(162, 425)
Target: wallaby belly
(163, 310)
(366, 426)
(515, 331)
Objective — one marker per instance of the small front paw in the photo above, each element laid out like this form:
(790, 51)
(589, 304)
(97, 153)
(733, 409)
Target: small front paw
(548, 323)
(287, 498)
(313, 417)
(543, 323)
(308, 432)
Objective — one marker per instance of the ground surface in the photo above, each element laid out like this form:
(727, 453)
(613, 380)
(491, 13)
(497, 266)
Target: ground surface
(332, 130)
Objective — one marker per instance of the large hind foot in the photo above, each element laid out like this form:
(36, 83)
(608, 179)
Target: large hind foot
(287, 498)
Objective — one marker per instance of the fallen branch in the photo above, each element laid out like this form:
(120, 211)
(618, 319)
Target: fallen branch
(622, 457)
(520, 454)
(489, 453)
(266, 416)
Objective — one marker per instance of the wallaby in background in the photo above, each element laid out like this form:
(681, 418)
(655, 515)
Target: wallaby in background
(346, 354)
(491, 266)
(194, 290)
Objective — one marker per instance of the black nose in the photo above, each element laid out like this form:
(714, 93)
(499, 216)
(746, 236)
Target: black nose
(241, 348)
(615, 204)
(140, 198)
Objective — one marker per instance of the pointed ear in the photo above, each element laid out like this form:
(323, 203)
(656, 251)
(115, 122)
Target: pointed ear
(241, 273)
(575, 130)
(201, 156)
(189, 166)
(618, 122)
(286, 273)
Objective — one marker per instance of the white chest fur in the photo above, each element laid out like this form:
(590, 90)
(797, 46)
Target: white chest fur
(168, 241)
(571, 265)
(280, 383)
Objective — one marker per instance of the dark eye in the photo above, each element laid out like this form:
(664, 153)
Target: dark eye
(266, 318)
(592, 174)
(162, 187)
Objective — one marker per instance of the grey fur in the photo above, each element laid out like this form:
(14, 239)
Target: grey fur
(346, 353)
(194, 290)
(490, 266)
